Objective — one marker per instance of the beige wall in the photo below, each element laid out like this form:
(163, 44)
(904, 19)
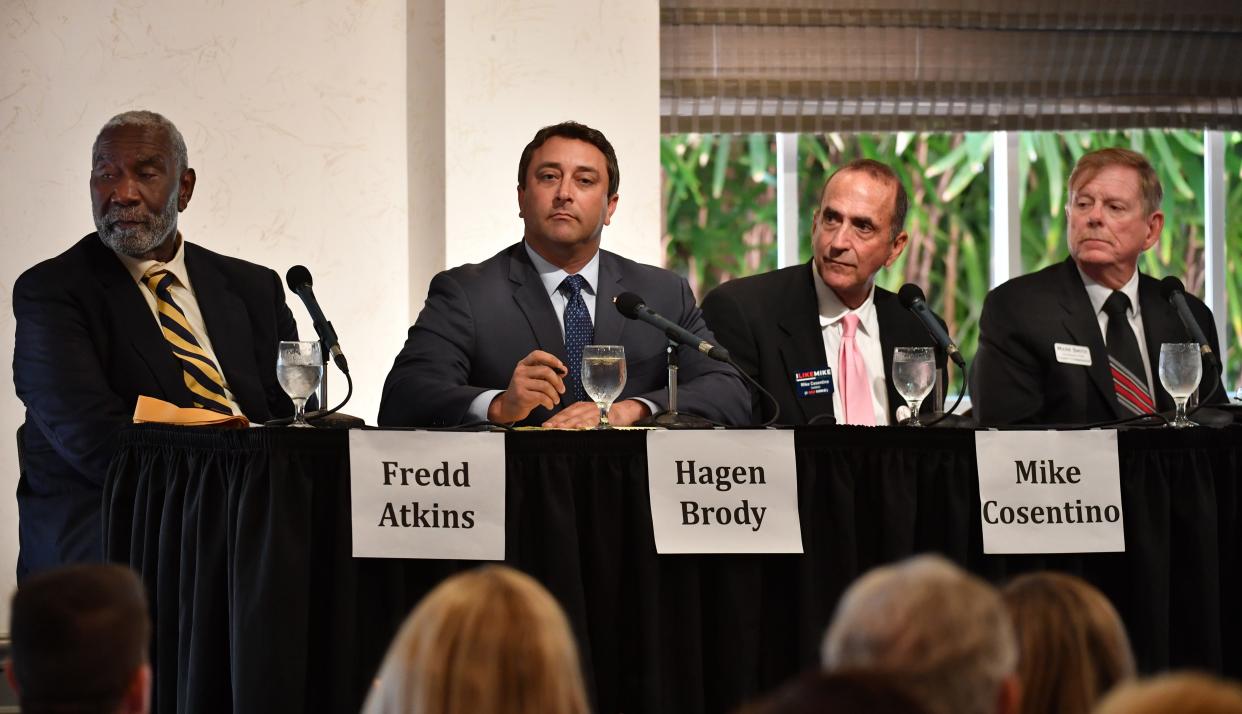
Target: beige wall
(351, 136)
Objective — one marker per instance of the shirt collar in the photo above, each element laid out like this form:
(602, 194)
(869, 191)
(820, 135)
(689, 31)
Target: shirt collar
(552, 276)
(1099, 293)
(139, 267)
(831, 309)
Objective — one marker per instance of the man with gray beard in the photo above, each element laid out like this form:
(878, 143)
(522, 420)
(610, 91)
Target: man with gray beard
(130, 310)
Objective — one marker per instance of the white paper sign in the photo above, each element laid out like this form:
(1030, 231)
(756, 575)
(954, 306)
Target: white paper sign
(420, 494)
(723, 491)
(1050, 491)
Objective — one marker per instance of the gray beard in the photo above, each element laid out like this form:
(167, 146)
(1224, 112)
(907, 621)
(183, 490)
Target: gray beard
(142, 239)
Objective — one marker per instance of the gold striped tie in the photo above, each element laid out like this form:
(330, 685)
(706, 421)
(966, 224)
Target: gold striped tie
(200, 372)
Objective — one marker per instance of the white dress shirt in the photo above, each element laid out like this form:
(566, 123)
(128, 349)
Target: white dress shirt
(831, 310)
(183, 293)
(1099, 293)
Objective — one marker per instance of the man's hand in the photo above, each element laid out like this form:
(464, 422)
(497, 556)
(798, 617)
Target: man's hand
(536, 382)
(585, 415)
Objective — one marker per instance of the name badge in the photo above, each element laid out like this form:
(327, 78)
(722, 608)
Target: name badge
(814, 382)
(1073, 354)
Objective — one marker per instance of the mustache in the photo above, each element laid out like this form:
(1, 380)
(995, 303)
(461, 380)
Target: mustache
(135, 214)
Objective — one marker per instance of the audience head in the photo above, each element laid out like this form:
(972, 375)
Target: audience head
(140, 181)
(858, 228)
(839, 693)
(1113, 214)
(1072, 645)
(486, 641)
(943, 632)
(79, 641)
(1181, 692)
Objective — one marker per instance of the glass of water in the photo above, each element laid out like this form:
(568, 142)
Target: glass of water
(1181, 368)
(299, 367)
(603, 377)
(914, 374)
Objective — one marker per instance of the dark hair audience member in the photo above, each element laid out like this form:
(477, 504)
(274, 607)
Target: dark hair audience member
(79, 642)
(486, 641)
(847, 692)
(1180, 692)
(1072, 645)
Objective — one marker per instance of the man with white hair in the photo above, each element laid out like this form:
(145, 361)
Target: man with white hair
(130, 310)
(943, 632)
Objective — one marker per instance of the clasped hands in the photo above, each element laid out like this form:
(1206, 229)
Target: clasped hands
(538, 381)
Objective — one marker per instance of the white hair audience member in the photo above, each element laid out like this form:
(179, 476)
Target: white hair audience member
(1180, 692)
(943, 633)
(486, 641)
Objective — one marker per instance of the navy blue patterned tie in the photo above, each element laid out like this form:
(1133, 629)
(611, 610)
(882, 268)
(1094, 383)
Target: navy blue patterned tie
(579, 332)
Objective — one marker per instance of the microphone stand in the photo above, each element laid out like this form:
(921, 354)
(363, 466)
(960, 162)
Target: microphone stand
(671, 418)
(322, 392)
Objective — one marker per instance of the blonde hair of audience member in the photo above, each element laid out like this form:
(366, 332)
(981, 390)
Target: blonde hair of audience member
(487, 641)
(944, 632)
(1181, 692)
(1072, 645)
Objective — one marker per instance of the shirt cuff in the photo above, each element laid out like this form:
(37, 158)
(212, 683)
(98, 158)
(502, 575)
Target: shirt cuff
(478, 408)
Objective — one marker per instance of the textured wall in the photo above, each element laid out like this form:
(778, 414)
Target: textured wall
(295, 117)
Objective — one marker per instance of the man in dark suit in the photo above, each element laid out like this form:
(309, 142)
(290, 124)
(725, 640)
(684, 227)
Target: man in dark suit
(90, 340)
(781, 326)
(501, 340)
(1079, 342)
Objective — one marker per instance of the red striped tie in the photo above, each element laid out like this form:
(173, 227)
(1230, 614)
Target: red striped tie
(1124, 358)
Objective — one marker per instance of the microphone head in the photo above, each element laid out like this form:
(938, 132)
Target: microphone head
(1171, 285)
(910, 294)
(297, 278)
(628, 304)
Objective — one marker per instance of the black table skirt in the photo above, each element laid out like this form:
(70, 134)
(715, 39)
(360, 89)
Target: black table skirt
(243, 540)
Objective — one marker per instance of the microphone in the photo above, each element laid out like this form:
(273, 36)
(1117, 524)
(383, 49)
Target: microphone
(299, 280)
(633, 307)
(912, 299)
(1175, 292)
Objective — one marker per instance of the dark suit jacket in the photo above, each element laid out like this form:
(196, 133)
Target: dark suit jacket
(770, 323)
(1016, 376)
(481, 319)
(87, 346)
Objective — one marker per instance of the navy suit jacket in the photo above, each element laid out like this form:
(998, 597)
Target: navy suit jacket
(1016, 376)
(481, 319)
(87, 346)
(770, 323)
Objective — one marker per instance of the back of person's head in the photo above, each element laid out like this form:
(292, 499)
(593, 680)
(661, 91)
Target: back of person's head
(847, 692)
(79, 641)
(1181, 692)
(1072, 646)
(943, 632)
(486, 641)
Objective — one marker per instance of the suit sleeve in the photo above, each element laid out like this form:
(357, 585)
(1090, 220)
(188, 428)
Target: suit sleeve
(725, 319)
(1005, 385)
(59, 376)
(1203, 314)
(705, 387)
(428, 384)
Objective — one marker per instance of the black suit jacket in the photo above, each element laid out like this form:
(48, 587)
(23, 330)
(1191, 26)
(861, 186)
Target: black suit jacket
(1016, 377)
(481, 319)
(770, 323)
(87, 346)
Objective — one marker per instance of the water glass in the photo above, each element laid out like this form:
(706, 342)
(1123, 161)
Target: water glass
(299, 367)
(914, 375)
(603, 377)
(1181, 368)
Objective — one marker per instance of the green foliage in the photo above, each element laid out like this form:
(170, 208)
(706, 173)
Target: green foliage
(720, 209)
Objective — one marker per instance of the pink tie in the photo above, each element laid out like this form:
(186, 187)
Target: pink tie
(855, 387)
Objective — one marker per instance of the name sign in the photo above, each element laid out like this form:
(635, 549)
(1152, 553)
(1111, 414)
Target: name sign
(723, 492)
(1050, 491)
(419, 494)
